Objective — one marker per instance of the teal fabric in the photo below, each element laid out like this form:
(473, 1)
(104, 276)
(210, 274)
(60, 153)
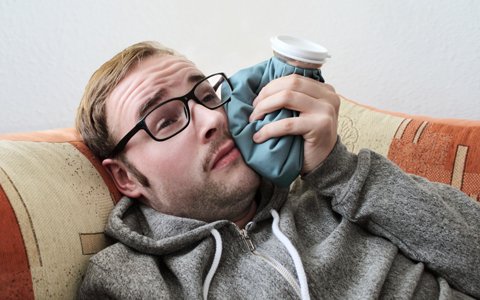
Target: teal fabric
(279, 160)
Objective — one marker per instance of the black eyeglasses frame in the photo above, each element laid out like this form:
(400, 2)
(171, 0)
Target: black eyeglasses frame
(141, 125)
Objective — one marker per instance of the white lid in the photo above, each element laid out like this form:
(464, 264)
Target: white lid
(299, 49)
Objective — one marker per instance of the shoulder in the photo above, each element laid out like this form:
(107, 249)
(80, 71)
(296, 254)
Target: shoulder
(121, 272)
(119, 256)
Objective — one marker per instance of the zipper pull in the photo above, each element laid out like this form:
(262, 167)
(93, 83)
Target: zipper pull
(247, 240)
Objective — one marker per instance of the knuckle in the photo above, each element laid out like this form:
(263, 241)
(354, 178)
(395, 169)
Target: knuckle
(287, 94)
(295, 81)
(326, 122)
(288, 125)
(332, 110)
(330, 87)
(337, 103)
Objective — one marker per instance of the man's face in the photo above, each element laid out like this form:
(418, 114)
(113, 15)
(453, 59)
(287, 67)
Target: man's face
(198, 173)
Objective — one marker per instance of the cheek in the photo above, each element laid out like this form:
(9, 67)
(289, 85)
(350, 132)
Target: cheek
(167, 160)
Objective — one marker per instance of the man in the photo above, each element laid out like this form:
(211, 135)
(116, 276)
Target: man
(196, 222)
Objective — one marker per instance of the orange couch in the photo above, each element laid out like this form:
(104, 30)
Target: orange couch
(55, 196)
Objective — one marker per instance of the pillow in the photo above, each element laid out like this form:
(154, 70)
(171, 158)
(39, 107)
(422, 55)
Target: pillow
(442, 150)
(54, 201)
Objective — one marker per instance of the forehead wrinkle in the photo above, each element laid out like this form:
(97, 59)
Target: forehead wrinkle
(152, 101)
(129, 88)
(151, 72)
(160, 95)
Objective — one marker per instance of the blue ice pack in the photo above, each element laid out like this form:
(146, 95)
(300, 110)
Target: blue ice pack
(279, 160)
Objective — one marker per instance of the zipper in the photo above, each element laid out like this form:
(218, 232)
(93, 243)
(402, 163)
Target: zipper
(270, 260)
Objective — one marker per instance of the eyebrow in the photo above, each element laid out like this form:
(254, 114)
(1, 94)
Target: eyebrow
(160, 94)
(152, 101)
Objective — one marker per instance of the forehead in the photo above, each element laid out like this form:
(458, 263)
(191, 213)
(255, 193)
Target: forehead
(166, 70)
(165, 73)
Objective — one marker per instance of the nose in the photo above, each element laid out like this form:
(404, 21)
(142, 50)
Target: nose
(208, 123)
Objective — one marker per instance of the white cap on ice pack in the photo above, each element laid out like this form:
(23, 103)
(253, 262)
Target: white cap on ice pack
(299, 49)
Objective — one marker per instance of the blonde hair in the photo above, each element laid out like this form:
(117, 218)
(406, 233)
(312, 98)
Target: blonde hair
(91, 116)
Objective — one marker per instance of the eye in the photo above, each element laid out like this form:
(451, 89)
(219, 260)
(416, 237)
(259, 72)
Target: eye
(162, 124)
(209, 97)
(166, 119)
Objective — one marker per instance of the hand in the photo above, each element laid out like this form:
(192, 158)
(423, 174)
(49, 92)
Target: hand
(317, 104)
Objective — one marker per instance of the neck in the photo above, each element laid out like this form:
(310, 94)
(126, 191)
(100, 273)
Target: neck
(247, 216)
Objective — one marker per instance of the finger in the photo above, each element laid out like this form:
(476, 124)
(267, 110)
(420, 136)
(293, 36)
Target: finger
(306, 126)
(296, 101)
(287, 126)
(294, 82)
(284, 99)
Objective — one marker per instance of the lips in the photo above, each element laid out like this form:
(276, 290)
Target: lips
(225, 155)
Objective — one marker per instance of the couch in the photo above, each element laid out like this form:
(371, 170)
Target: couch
(55, 196)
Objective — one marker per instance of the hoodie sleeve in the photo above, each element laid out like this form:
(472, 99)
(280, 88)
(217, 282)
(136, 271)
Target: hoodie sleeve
(430, 222)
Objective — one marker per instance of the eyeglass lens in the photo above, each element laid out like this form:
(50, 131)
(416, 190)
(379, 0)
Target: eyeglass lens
(172, 116)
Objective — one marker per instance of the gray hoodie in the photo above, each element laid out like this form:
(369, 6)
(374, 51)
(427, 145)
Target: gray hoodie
(357, 227)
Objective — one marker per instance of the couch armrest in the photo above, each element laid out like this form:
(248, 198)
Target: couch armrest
(54, 201)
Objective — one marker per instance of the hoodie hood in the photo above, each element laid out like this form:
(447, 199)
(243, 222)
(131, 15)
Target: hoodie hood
(149, 231)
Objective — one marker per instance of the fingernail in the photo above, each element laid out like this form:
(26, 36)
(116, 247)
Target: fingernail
(254, 102)
(256, 137)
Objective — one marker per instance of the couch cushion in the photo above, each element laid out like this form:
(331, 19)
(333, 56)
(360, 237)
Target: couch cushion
(55, 196)
(442, 150)
(54, 201)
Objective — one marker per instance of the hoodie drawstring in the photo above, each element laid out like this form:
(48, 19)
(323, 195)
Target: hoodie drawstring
(302, 277)
(215, 263)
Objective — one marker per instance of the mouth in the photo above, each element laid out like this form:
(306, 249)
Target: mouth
(225, 155)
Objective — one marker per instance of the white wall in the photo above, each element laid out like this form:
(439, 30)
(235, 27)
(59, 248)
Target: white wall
(420, 57)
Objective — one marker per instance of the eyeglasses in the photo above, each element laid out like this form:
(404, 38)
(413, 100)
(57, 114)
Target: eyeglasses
(170, 117)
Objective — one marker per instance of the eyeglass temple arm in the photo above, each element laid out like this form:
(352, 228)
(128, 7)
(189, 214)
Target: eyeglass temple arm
(119, 147)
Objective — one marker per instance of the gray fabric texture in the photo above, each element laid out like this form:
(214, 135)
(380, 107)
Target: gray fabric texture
(363, 228)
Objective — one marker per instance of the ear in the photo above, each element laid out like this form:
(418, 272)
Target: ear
(126, 183)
